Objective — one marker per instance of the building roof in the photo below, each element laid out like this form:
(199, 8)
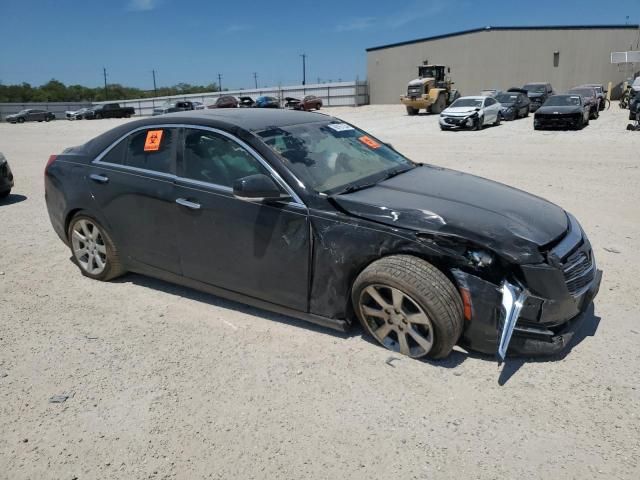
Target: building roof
(489, 28)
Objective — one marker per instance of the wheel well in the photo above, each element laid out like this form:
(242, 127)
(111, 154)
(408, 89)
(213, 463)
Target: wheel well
(438, 263)
(67, 221)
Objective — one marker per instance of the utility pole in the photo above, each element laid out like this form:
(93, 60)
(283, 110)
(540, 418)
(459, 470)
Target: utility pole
(304, 68)
(220, 81)
(106, 94)
(255, 79)
(155, 89)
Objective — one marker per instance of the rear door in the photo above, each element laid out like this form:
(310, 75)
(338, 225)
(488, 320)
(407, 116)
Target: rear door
(133, 186)
(254, 248)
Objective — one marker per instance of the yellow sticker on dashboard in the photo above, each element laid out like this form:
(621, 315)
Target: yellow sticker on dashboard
(152, 142)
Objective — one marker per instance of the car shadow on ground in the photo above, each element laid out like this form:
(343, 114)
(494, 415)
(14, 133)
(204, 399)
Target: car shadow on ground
(11, 199)
(588, 328)
(211, 299)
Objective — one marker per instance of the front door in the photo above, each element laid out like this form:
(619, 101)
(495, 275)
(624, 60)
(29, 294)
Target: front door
(254, 248)
(133, 186)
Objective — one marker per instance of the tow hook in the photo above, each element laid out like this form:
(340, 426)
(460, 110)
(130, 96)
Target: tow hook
(513, 298)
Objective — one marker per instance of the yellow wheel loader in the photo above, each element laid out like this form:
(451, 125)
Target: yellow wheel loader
(431, 91)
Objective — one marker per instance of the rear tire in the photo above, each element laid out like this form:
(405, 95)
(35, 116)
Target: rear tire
(498, 119)
(5, 194)
(93, 250)
(412, 111)
(408, 306)
(439, 105)
(21, 120)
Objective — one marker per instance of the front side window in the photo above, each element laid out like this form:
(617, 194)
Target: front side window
(332, 157)
(213, 158)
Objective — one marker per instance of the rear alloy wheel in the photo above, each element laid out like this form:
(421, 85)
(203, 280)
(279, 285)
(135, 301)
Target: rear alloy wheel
(93, 249)
(409, 306)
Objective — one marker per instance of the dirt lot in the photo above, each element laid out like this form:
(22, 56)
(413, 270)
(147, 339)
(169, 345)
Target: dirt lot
(166, 382)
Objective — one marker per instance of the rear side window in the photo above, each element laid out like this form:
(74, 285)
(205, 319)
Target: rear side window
(152, 149)
(213, 158)
(116, 154)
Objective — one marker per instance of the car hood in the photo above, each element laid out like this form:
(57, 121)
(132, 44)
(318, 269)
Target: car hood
(458, 111)
(438, 202)
(559, 109)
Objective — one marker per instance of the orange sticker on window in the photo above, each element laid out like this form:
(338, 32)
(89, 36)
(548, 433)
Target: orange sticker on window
(369, 142)
(152, 143)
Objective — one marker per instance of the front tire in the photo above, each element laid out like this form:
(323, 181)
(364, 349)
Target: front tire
(5, 194)
(439, 105)
(412, 111)
(93, 250)
(408, 306)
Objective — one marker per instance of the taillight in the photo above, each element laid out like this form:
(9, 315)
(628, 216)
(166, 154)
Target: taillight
(52, 158)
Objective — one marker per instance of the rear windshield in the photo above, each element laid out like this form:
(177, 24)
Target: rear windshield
(535, 88)
(507, 98)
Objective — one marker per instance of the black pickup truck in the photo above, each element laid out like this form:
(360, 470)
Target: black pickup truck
(109, 110)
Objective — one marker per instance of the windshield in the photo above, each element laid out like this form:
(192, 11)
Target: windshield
(467, 102)
(534, 88)
(507, 98)
(331, 157)
(22, 112)
(168, 105)
(563, 101)
(585, 92)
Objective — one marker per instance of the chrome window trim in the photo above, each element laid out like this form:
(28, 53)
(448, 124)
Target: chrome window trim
(297, 201)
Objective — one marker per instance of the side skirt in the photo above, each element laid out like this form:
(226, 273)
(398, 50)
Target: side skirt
(334, 324)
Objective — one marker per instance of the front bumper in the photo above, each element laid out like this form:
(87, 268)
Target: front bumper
(546, 305)
(456, 122)
(562, 122)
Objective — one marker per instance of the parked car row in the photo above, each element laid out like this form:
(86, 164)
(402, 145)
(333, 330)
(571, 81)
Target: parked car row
(571, 110)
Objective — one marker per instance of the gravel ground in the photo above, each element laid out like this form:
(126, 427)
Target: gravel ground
(166, 382)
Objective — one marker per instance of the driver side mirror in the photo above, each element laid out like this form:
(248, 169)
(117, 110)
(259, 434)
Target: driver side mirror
(257, 187)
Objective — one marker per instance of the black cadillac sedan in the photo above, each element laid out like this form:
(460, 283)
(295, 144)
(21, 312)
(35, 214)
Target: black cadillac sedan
(306, 215)
(563, 111)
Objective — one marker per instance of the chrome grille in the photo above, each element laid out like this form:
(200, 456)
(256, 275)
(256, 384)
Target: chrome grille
(579, 271)
(414, 91)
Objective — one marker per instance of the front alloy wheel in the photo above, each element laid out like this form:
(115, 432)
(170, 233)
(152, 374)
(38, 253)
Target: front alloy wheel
(408, 306)
(396, 320)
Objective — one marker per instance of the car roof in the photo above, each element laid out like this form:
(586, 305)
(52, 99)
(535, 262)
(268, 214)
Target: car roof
(232, 119)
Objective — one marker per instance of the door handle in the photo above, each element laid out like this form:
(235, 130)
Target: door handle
(186, 203)
(99, 178)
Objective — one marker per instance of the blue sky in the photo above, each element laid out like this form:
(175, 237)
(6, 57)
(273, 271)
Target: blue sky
(193, 40)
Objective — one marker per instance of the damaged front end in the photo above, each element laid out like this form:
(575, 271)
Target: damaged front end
(537, 308)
